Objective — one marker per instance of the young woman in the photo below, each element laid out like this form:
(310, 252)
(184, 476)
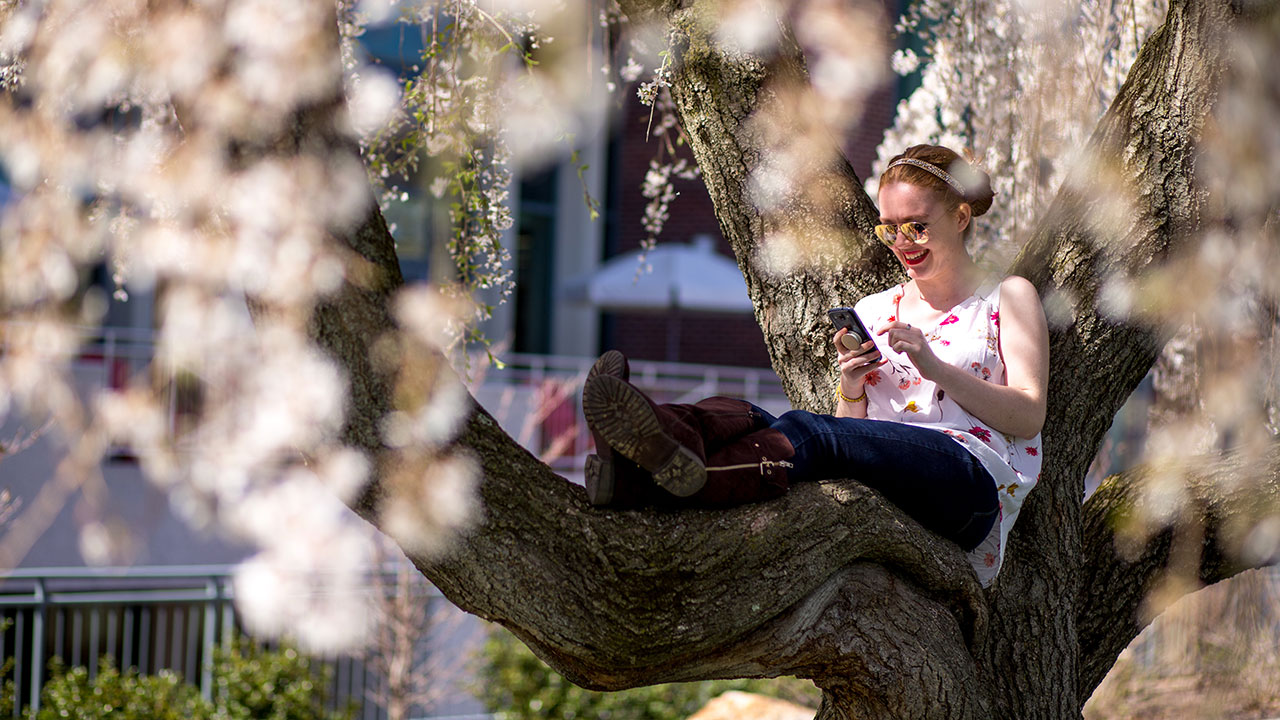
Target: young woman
(940, 412)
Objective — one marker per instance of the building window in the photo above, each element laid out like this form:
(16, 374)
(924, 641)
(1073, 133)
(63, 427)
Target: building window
(535, 261)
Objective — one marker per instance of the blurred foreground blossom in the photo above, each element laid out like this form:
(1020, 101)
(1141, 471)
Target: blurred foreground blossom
(800, 186)
(430, 485)
(429, 498)
(311, 571)
(209, 154)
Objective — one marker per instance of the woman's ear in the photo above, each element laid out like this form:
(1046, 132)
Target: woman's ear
(964, 214)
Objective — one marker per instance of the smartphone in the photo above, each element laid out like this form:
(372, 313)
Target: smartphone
(844, 317)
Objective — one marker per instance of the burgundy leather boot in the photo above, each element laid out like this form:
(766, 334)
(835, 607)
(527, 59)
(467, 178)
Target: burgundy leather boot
(658, 438)
(719, 420)
(745, 460)
(611, 478)
(750, 468)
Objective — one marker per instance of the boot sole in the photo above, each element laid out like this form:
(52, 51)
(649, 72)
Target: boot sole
(620, 415)
(599, 471)
(611, 364)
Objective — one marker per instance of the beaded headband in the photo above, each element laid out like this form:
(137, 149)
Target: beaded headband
(931, 168)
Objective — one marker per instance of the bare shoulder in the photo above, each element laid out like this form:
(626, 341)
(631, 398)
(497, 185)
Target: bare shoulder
(1019, 290)
(1020, 307)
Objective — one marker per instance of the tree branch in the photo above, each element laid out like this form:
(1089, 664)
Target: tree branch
(1124, 561)
(347, 325)
(616, 599)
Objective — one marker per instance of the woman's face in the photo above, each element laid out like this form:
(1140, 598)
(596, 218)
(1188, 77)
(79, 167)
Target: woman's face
(901, 203)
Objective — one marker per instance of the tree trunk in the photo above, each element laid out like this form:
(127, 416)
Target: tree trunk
(1149, 138)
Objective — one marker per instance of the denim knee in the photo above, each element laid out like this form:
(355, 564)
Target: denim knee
(798, 426)
(975, 531)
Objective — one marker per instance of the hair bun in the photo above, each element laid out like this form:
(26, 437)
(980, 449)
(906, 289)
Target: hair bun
(977, 182)
(980, 194)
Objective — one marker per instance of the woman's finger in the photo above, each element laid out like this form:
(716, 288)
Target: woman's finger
(889, 327)
(865, 351)
(861, 361)
(863, 370)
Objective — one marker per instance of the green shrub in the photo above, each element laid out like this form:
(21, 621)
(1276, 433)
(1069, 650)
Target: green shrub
(516, 684)
(113, 695)
(250, 683)
(7, 689)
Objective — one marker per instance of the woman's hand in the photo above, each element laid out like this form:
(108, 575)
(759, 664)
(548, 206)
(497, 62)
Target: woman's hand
(855, 364)
(904, 338)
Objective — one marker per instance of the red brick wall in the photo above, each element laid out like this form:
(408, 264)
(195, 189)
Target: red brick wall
(715, 339)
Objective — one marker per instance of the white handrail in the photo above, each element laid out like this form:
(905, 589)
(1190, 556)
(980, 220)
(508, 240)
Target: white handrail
(114, 353)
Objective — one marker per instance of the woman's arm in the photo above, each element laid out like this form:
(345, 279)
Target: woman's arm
(1017, 408)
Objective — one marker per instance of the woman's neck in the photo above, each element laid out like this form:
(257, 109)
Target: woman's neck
(943, 293)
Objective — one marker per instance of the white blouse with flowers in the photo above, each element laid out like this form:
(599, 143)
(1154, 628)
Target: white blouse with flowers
(968, 337)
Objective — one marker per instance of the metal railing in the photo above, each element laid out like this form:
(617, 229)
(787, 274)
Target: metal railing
(119, 352)
(144, 618)
(536, 398)
(668, 381)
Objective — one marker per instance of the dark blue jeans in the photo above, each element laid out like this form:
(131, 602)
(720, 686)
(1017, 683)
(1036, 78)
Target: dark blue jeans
(924, 472)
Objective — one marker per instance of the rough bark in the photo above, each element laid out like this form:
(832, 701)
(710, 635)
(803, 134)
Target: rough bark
(829, 581)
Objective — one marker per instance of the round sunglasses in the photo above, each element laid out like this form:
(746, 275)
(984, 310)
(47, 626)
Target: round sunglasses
(916, 232)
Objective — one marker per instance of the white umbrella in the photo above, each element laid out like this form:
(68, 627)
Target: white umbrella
(672, 277)
(685, 277)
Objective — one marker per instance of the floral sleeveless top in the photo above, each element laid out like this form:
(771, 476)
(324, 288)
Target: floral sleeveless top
(967, 337)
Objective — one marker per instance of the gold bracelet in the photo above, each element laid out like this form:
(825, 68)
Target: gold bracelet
(841, 396)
